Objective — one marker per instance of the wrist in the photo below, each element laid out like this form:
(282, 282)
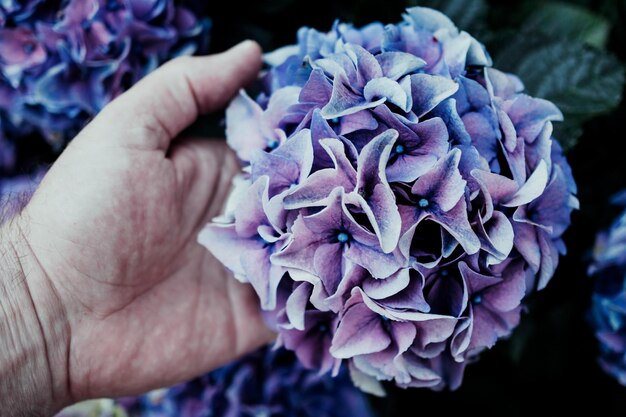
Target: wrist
(34, 335)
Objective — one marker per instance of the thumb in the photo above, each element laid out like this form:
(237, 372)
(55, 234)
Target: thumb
(159, 107)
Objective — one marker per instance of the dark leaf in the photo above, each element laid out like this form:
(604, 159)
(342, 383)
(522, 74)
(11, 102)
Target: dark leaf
(568, 22)
(583, 82)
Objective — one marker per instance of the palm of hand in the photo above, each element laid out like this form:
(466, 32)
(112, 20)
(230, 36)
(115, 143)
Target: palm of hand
(114, 228)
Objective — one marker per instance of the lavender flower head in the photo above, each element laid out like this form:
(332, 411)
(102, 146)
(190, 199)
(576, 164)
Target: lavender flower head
(62, 61)
(399, 199)
(265, 383)
(608, 311)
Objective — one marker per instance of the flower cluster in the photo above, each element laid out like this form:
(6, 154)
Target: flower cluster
(399, 199)
(608, 311)
(62, 61)
(265, 383)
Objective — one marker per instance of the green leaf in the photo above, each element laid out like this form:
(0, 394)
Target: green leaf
(467, 15)
(570, 22)
(583, 82)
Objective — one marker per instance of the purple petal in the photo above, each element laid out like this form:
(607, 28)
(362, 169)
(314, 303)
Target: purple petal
(263, 276)
(287, 165)
(443, 184)
(362, 120)
(282, 172)
(312, 345)
(317, 89)
(367, 65)
(382, 288)
(456, 223)
(355, 277)
(541, 149)
(477, 282)
(484, 334)
(300, 252)
(243, 121)
(278, 105)
(427, 19)
(504, 85)
(434, 332)
(296, 305)
(508, 294)
(530, 114)
(430, 90)
(250, 212)
(344, 101)
(372, 185)
(526, 242)
(224, 243)
(390, 90)
(360, 331)
(395, 65)
(448, 113)
(549, 260)
(407, 168)
(533, 188)
(497, 186)
(425, 143)
(329, 264)
(379, 264)
(410, 298)
(316, 189)
(496, 237)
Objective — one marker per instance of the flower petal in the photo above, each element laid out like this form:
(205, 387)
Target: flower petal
(443, 185)
(360, 331)
(429, 90)
(396, 65)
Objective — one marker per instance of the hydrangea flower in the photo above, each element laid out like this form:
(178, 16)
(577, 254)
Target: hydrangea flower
(608, 311)
(265, 383)
(61, 62)
(399, 199)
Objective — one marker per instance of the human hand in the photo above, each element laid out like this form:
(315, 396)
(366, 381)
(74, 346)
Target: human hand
(127, 299)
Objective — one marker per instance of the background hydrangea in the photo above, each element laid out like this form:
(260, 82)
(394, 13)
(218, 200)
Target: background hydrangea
(400, 199)
(265, 383)
(62, 61)
(608, 312)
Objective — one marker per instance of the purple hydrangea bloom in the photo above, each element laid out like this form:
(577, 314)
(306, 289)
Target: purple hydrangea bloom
(265, 383)
(608, 311)
(398, 201)
(61, 62)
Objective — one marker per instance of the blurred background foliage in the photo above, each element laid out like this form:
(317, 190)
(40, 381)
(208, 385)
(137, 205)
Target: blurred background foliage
(570, 52)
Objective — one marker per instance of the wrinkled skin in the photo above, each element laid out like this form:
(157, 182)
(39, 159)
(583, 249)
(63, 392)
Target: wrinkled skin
(127, 300)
